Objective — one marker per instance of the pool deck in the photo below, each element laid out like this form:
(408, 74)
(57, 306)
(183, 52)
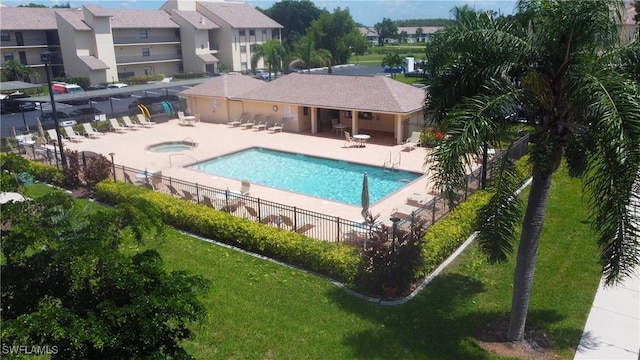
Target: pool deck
(218, 139)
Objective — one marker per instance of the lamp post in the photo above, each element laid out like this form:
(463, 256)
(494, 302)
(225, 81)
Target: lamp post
(46, 58)
(113, 166)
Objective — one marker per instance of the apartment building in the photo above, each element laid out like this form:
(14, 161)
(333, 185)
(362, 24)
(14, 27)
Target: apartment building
(107, 45)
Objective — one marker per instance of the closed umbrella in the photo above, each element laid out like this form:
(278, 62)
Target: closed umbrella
(40, 129)
(365, 196)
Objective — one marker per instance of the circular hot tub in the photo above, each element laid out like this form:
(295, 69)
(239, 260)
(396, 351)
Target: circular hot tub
(172, 146)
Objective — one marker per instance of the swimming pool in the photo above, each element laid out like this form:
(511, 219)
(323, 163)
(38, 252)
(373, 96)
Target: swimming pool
(174, 146)
(320, 177)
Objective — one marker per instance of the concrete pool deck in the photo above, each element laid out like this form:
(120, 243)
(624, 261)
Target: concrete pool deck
(218, 139)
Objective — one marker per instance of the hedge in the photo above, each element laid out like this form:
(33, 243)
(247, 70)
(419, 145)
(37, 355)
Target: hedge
(337, 261)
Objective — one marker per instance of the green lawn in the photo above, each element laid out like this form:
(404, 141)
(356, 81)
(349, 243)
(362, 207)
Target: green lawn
(262, 310)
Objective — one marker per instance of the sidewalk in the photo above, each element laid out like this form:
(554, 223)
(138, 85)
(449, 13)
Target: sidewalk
(612, 330)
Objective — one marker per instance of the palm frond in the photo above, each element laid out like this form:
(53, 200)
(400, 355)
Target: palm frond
(497, 221)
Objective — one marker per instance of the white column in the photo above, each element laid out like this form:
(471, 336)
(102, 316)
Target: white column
(314, 120)
(398, 133)
(354, 122)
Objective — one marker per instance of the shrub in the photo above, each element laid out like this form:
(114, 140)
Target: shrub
(46, 173)
(189, 75)
(142, 79)
(431, 137)
(95, 170)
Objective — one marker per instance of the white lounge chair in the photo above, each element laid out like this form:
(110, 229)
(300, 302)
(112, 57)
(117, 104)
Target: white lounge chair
(90, 132)
(115, 125)
(348, 140)
(251, 124)
(72, 135)
(244, 188)
(144, 122)
(412, 142)
(276, 127)
(129, 124)
(261, 126)
(53, 136)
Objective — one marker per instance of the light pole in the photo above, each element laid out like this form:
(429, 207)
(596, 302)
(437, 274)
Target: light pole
(113, 166)
(46, 58)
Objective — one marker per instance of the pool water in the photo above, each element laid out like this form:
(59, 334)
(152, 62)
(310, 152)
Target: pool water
(171, 147)
(324, 178)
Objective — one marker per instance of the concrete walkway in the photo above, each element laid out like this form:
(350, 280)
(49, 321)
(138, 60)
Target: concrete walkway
(612, 330)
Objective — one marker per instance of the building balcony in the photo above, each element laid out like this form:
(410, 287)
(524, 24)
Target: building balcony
(122, 60)
(136, 40)
(36, 43)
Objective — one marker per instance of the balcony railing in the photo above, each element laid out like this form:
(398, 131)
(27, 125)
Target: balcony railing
(142, 59)
(26, 42)
(151, 39)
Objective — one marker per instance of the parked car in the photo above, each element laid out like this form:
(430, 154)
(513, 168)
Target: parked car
(415, 73)
(84, 114)
(10, 103)
(262, 74)
(46, 119)
(119, 86)
(97, 98)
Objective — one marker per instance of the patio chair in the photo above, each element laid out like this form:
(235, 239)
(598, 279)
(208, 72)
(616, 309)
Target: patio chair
(244, 188)
(250, 124)
(187, 196)
(53, 136)
(418, 200)
(207, 201)
(172, 190)
(402, 211)
(90, 132)
(276, 127)
(129, 124)
(72, 135)
(412, 142)
(260, 126)
(264, 217)
(115, 125)
(144, 122)
(348, 140)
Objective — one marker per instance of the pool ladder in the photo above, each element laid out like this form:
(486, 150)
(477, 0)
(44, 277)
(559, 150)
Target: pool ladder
(390, 162)
(193, 143)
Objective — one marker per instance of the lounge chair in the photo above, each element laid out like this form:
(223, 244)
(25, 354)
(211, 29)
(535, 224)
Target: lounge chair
(264, 217)
(72, 135)
(276, 127)
(348, 140)
(249, 124)
(412, 142)
(91, 132)
(244, 188)
(418, 200)
(235, 122)
(115, 125)
(172, 190)
(53, 136)
(261, 126)
(144, 122)
(402, 211)
(129, 124)
(187, 196)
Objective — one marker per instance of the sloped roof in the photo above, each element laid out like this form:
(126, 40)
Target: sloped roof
(75, 18)
(226, 86)
(98, 11)
(240, 15)
(208, 58)
(366, 93)
(196, 19)
(425, 29)
(93, 62)
(366, 31)
(23, 18)
(135, 19)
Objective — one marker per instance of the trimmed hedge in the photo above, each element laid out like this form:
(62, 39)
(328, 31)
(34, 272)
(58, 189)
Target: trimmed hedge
(337, 261)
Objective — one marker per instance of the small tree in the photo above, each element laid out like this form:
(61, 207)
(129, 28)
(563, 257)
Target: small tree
(393, 61)
(14, 71)
(273, 54)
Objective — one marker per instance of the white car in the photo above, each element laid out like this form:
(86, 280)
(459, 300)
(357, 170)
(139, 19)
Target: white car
(116, 86)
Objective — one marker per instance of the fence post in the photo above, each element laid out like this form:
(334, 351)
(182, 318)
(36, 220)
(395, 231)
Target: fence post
(433, 213)
(295, 218)
(259, 212)
(197, 194)
(338, 228)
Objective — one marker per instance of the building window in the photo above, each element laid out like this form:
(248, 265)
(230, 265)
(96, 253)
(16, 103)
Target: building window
(180, 67)
(145, 52)
(8, 56)
(305, 111)
(252, 48)
(144, 34)
(4, 36)
(243, 48)
(252, 32)
(243, 65)
(241, 32)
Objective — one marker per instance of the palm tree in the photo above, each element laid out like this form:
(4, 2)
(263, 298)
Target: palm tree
(272, 52)
(393, 61)
(13, 70)
(559, 67)
(307, 56)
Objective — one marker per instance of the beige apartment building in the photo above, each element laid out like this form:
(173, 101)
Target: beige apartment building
(107, 45)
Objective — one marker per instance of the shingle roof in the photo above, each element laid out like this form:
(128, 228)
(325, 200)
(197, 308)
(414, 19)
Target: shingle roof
(196, 19)
(367, 93)
(425, 29)
(135, 18)
(75, 18)
(208, 58)
(27, 18)
(240, 15)
(93, 62)
(365, 31)
(96, 10)
(225, 86)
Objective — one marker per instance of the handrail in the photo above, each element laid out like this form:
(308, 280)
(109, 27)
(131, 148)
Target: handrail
(189, 156)
(193, 143)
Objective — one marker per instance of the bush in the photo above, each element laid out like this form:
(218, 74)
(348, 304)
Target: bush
(142, 79)
(189, 75)
(431, 137)
(337, 261)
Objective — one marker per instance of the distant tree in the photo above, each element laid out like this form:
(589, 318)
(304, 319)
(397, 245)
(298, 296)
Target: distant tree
(273, 54)
(393, 61)
(419, 33)
(402, 37)
(63, 6)
(66, 283)
(32, 5)
(295, 16)
(14, 71)
(306, 56)
(335, 32)
(423, 22)
(386, 29)
(636, 5)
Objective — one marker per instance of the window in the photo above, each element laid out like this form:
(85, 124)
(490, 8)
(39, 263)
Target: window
(8, 56)
(144, 34)
(241, 32)
(347, 114)
(145, 52)
(264, 31)
(305, 111)
(243, 65)
(4, 36)
(252, 32)
(243, 48)
(180, 67)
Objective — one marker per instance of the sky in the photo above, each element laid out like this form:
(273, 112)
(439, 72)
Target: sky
(366, 12)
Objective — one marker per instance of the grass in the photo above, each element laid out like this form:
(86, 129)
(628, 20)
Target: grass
(260, 309)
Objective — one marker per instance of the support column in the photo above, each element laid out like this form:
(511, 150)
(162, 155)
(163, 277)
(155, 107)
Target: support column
(314, 120)
(398, 131)
(354, 122)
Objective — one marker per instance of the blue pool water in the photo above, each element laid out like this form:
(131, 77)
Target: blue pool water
(324, 178)
(171, 146)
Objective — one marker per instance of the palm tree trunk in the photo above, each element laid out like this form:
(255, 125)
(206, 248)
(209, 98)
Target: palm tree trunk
(527, 253)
